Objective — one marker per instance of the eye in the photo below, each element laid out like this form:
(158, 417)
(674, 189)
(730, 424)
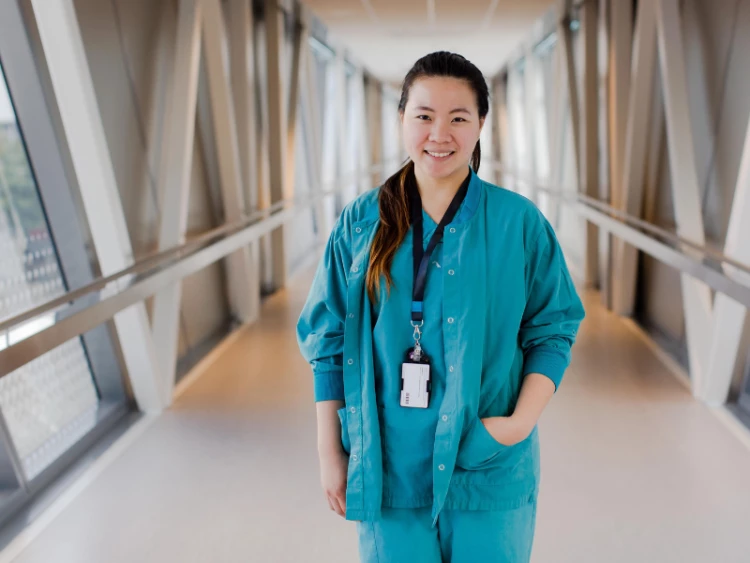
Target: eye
(459, 119)
(423, 117)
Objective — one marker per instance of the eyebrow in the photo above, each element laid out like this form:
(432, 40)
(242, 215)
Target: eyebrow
(457, 110)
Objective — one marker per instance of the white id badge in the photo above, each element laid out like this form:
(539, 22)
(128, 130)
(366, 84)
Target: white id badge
(415, 385)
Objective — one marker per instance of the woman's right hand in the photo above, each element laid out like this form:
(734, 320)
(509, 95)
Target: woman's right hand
(334, 464)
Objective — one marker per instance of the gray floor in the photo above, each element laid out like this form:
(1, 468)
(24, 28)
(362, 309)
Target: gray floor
(634, 470)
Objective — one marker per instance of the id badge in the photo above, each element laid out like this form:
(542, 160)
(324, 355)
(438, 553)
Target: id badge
(415, 384)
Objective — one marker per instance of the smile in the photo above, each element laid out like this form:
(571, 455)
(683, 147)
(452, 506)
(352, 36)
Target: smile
(439, 154)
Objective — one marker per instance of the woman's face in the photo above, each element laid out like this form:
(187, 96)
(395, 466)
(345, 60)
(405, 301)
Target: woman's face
(441, 126)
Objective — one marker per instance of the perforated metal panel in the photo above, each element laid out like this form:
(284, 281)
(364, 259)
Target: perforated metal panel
(48, 405)
(29, 274)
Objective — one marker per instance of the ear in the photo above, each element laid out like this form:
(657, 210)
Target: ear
(401, 117)
(481, 123)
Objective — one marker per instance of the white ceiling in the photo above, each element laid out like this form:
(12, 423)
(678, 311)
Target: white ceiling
(388, 36)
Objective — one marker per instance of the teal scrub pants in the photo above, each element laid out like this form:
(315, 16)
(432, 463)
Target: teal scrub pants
(406, 535)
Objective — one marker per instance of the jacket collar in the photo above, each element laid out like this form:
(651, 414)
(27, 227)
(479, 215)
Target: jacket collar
(467, 210)
(471, 201)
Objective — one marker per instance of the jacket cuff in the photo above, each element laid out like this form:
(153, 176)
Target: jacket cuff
(329, 385)
(547, 360)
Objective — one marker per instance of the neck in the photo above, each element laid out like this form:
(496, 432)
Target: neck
(437, 193)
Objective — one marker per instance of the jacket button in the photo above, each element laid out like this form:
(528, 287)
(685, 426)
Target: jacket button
(441, 467)
(354, 457)
(445, 418)
(355, 269)
(350, 362)
(450, 368)
(453, 230)
(351, 315)
(352, 410)
(451, 272)
(359, 230)
(450, 320)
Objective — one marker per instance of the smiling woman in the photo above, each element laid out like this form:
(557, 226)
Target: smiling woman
(441, 126)
(433, 363)
(444, 102)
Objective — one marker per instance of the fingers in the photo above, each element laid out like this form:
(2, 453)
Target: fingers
(337, 504)
(341, 499)
(330, 503)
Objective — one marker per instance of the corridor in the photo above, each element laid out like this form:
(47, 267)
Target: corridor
(633, 468)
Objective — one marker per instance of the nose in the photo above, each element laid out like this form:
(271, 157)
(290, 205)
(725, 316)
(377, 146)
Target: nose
(439, 132)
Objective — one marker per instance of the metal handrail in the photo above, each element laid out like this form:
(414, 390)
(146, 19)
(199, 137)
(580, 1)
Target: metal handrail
(161, 269)
(156, 272)
(616, 222)
(572, 196)
(164, 257)
(151, 261)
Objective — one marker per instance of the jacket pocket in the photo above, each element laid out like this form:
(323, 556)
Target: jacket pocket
(479, 450)
(345, 442)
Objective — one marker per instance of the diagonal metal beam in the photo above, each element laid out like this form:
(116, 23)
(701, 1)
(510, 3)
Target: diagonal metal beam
(685, 188)
(242, 72)
(590, 147)
(177, 168)
(239, 264)
(497, 135)
(364, 161)
(299, 38)
(620, 64)
(329, 154)
(312, 132)
(620, 15)
(625, 257)
(374, 120)
(655, 142)
(276, 106)
(566, 40)
(243, 94)
(530, 72)
(223, 112)
(729, 316)
(557, 135)
(73, 87)
(341, 117)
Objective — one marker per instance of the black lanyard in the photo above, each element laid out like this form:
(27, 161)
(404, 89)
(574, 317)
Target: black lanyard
(420, 255)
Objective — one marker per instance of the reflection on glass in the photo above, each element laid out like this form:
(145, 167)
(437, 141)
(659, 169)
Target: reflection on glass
(28, 264)
(51, 402)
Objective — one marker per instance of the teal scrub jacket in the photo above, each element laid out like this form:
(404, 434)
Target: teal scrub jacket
(510, 308)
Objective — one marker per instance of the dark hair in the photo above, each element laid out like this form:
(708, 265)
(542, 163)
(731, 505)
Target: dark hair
(393, 199)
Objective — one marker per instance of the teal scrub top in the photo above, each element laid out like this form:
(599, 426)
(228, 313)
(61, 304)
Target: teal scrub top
(508, 308)
(408, 434)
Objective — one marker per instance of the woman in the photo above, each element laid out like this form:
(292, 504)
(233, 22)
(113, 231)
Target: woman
(432, 362)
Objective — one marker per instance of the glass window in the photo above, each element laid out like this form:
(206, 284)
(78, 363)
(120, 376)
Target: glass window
(51, 402)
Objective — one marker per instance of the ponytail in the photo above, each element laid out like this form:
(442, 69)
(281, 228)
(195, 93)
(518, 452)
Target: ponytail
(476, 157)
(393, 203)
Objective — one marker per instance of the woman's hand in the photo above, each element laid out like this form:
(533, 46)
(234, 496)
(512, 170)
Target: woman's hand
(334, 464)
(536, 391)
(507, 430)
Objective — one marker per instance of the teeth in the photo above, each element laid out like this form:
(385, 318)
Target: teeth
(438, 154)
